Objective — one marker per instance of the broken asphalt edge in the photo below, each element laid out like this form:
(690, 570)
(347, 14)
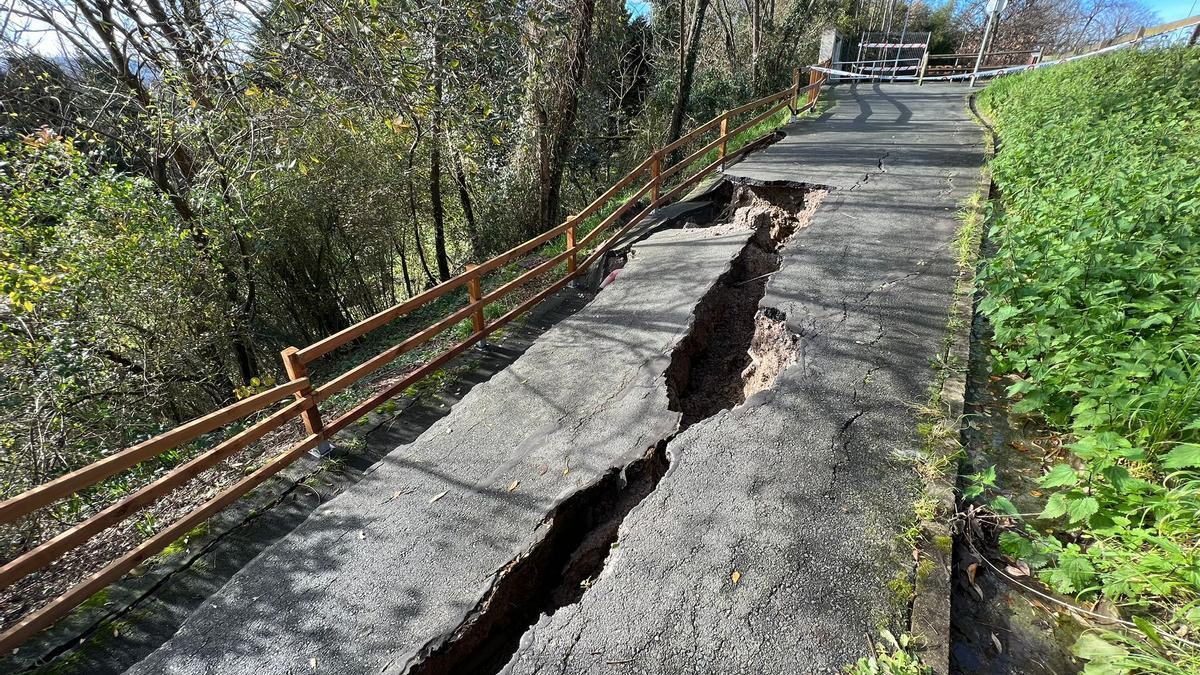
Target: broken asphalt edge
(427, 658)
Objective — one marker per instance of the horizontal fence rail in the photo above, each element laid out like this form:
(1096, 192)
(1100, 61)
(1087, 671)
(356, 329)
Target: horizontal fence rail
(1139, 35)
(651, 185)
(954, 66)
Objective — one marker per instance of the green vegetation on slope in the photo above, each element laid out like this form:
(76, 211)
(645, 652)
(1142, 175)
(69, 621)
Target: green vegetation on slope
(1094, 294)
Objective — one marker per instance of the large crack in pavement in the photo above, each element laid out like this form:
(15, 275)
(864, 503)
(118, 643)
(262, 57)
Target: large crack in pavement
(731, 350)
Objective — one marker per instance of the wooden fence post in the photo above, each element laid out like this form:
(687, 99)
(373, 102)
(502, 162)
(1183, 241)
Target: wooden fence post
(571, 263)
(814, 78)
(311, 416)
(924, 65)
(475, 292)
(655, 175)
(725, 137)
(1141, 35)
(795, 94)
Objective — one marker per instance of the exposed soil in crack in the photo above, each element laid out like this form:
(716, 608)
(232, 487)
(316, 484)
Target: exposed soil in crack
(733, 350)
(773, 348)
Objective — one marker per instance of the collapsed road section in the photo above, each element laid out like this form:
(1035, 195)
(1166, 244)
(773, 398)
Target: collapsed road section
(695, 473)
(729, 349)
(520, 486)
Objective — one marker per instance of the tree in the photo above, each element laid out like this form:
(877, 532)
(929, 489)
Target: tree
(689, 47)
(104, 313)
(552, 106)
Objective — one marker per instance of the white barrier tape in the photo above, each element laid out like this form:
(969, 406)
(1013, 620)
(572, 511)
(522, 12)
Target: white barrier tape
(928, 78)
(1111, 48)
(892, 60)
(893, 45)
(885, 69)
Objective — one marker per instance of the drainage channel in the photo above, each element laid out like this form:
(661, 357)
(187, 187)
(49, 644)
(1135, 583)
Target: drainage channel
(732, 350)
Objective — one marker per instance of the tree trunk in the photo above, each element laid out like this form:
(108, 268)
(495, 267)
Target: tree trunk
(726, 21)
(408, 284)
(555, 126)
(464, 197)
(687, 69)
(435, 165)
(420, 247)
(439, 216)
(416, 225)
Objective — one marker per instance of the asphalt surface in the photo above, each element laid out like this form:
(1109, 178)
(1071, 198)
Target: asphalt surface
(401, 559)
(799, 490)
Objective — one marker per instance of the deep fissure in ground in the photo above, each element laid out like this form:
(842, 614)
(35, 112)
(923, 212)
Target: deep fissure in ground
(734, 347)
(732, 350)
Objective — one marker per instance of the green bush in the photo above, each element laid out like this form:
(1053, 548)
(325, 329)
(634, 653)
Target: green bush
(105, 306)
(1094, 294)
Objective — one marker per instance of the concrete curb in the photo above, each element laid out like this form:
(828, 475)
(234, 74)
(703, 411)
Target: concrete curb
(929, 619)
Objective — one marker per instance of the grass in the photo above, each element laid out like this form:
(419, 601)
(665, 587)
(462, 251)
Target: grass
(892, 656)
(181, 544)
(1094, 297)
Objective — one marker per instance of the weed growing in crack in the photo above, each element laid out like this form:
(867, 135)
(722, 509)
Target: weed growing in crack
(901, 586)
(925, 509)
(890, 656)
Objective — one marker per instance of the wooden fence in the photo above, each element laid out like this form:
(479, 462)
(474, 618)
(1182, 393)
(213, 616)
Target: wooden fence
(307, 398)
(954, 64)
(933, 65)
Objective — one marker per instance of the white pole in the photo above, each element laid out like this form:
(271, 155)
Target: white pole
(987, 33)
(903, 33)
(887, 36)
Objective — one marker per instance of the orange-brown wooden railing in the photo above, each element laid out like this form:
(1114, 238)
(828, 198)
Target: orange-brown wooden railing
(307, 397)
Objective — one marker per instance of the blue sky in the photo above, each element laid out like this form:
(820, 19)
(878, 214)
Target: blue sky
(1168, 10)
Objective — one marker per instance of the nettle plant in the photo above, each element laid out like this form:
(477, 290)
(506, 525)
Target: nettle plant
(1094, 296)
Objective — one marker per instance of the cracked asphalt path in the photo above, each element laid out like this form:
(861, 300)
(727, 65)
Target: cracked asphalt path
(799, 490)
(398, 561)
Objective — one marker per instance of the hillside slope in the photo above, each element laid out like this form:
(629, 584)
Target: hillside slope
(1094, 294)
